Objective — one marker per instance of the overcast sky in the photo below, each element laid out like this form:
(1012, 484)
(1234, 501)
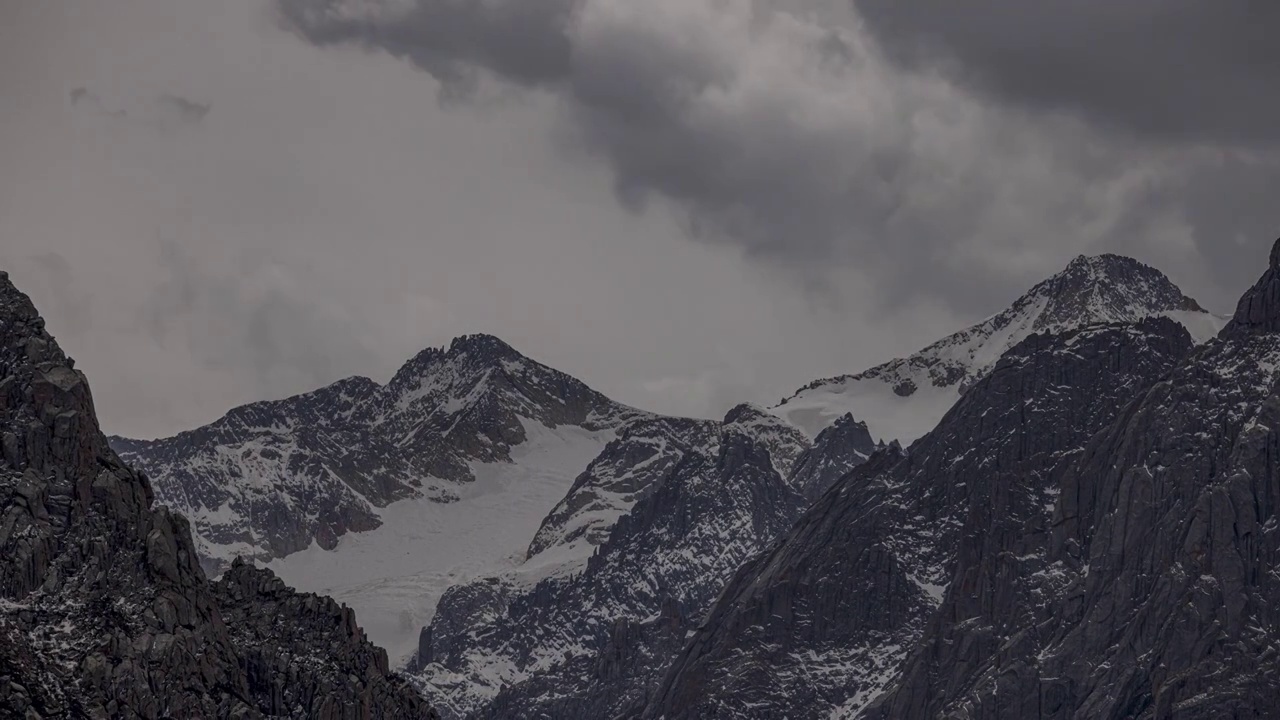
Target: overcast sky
(685, 203)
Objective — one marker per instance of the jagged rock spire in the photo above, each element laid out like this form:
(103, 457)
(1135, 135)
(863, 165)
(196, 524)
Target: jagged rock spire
(1259, 309)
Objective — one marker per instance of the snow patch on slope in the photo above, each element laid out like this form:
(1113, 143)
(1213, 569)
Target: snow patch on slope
(1203, 326)
(888, 416)
(394, 575)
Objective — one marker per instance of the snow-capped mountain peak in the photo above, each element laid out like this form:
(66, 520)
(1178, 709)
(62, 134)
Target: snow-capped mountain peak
(481, 372)
(270, 478)
(905, 398)
(1106, 288)
(466, 353)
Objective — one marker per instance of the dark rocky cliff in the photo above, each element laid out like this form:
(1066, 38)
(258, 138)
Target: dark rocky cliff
(104, 609)
(1164, 550)
(822, 624)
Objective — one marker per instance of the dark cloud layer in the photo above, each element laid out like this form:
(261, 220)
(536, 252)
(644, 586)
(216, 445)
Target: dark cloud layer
(1192, 81)
(1183, 70)
(330, 217)
(782, 130)
(524, 41)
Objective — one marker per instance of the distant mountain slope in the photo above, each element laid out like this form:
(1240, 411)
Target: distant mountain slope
(272, 478)
(586, 638)
(394, 574)
(904, 399)
(104, 610)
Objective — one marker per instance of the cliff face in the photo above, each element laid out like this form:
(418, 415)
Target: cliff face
(823, 623)
(104, 610)
(1092, 532)
(1164, 544)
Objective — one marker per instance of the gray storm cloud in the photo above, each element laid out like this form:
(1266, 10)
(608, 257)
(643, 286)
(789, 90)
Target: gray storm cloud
(1191, 80)
(329, 217)
(1173, 69)
(526, 42)
(784, 129)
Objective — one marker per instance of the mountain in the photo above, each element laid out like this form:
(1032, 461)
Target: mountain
(629, 562)
(821, 624)
(590, 641)
(271, 478)
(384, 495)
(104, 609)
(630, 466)
(1152, 593)
(904, 399)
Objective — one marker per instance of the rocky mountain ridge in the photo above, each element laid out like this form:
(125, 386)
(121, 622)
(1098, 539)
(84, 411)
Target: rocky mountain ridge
(272, 478)
(1163, 544)
(629, 467)
(1108, 553)
(104, 609)
(821, 624)
(905, 398)
(737, 569)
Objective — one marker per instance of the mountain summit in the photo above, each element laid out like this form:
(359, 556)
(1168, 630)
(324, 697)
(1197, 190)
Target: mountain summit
(905, 398)
(1106, 288)
(1151, 592)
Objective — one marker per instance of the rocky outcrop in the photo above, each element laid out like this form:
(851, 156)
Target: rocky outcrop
(1153, 591)
(821, 624)
(628, 468)
(592, 642)
(271, 478)
(305, 656)
(104, 609)
(837, 450)
(785, 443)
